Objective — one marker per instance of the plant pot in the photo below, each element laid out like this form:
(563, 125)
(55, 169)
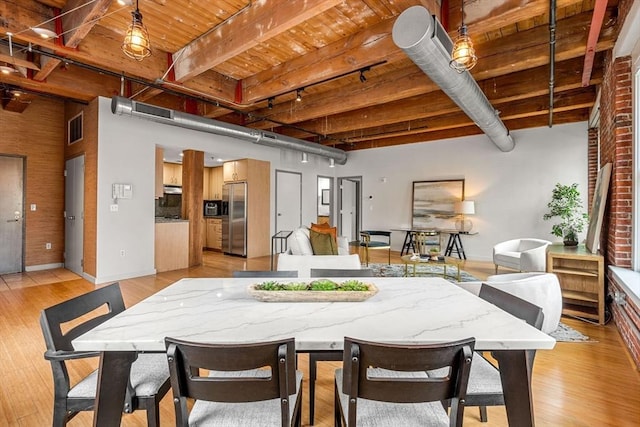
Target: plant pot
(570, 243)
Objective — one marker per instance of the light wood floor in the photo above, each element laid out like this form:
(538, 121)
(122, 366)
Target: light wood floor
(576, 384)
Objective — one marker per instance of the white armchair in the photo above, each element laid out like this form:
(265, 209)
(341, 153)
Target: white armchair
(541, 289)
(521, 254)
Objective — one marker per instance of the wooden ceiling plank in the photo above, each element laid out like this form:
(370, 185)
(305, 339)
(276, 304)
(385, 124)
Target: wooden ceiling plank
(255, 25)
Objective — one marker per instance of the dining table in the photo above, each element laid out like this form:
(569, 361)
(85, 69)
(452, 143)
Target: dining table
(222, 310)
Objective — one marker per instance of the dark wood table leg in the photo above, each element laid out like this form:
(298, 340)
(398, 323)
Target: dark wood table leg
(516, 386)
(450, 243)
(113, 378)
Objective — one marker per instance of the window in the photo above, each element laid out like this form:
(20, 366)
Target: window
(74, 129)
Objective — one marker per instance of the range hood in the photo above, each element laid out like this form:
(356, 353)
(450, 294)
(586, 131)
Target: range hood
(172, 189)
(129, 107)
(419, 34)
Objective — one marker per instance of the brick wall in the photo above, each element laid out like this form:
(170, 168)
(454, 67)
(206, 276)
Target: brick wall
(616, 147)
(592, 160)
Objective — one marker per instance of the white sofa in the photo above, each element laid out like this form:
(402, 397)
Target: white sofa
(300, 257)
(521, 254)
(541, 289)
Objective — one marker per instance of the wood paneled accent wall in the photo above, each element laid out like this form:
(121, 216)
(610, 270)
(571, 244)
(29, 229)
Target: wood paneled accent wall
(37, 134)
(89, 147)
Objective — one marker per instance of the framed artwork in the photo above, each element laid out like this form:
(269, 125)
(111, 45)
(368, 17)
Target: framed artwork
(433, 203)
(325, 197)
(597, 208)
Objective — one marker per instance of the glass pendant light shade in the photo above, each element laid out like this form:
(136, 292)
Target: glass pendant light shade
(463, 56)
(136, 43)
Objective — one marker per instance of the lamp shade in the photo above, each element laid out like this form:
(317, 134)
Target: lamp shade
(465, 207)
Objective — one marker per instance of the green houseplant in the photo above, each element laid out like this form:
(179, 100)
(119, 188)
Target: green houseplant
(567, 206)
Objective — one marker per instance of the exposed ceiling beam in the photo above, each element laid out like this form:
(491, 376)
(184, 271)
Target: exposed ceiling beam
(255, 25)
(594, 33)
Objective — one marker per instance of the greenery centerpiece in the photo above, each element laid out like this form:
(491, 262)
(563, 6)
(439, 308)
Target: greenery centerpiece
(319, 290)
(566, 205)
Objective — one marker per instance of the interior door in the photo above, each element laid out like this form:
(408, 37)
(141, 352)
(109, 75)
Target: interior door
(74, 215)
(350, 207)
(11, 214)
(288, 200)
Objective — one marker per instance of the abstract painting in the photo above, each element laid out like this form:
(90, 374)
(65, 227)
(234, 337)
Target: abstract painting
(433, 203)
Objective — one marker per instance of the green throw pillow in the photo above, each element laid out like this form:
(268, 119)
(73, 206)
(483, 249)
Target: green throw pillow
(323, 243)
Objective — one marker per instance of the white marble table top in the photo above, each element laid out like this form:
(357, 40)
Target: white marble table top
(410, 310)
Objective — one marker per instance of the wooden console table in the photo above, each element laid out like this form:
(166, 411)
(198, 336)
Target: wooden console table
(581, 276)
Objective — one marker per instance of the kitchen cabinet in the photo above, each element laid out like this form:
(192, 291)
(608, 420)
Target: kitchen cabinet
(581, 276)
(159, 192)
(206, 184)
(215, 184)
(172, 174)
(236, 170)
(171, 245)
(213, 233)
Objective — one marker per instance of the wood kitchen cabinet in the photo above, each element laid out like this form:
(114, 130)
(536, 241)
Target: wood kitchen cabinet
(172, 174)
(159, 191)
(215, 183)
(213, 233)
(206, 184)
(236, 170)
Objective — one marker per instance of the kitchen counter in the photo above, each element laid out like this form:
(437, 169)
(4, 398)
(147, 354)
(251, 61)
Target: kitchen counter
(161, 219)
(171, 244)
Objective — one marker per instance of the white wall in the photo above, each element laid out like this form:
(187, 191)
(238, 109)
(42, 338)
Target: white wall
(511, 190)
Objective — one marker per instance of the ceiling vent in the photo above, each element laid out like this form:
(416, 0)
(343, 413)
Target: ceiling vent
(423, 39)
(128, 107)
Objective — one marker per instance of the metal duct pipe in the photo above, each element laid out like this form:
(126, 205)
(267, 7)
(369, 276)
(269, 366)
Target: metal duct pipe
(128, 107)
(428, 45)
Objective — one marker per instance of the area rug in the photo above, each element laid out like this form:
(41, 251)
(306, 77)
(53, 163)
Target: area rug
(566, 333)
(397, 270)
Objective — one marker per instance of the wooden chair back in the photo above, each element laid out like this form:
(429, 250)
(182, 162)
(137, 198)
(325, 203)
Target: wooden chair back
(360, 356)
(193, 367)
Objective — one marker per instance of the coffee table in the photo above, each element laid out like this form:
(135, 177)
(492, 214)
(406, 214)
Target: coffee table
(444, 262)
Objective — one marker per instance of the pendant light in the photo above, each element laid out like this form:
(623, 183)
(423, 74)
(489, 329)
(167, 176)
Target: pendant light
(463, 55)
(136, 43)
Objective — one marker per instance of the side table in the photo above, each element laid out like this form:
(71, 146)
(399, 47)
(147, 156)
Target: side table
(279, 239)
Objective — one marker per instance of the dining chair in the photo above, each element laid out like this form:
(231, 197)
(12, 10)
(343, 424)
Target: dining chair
(149, 378)
(329, 355)
(383, 242)
(264, 273)
(253, 384)
(378, 380)
(485, 385)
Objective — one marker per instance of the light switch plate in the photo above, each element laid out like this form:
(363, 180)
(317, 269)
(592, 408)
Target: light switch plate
(33, 206)
(113, 208)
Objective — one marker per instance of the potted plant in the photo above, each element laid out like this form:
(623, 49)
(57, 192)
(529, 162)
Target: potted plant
(434, 253)
(567, 206)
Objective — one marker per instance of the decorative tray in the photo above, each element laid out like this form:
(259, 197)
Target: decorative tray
(312, 296)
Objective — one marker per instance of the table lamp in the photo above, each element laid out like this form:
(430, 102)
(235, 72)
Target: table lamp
(462, 208)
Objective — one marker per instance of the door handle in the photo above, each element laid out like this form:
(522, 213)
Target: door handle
(279, 214)
(14, 220)
(72, 217)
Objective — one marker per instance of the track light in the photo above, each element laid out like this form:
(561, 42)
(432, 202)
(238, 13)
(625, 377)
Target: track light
(7, 69)
(332, 163)
(44, 33)
(299, 95)
(270, 103)
(136, 42)
(305, 158)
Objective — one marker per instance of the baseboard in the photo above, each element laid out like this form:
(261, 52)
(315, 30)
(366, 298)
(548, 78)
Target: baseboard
(44, 267)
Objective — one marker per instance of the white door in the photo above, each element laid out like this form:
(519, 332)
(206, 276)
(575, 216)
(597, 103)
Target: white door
(288, 200)
(11, 213)
(349, 208)
(74, 214)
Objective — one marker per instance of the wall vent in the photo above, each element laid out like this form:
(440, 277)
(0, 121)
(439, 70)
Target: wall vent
(74, 129)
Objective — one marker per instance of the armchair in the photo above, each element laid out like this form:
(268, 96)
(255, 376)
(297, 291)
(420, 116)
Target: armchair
(521, 254)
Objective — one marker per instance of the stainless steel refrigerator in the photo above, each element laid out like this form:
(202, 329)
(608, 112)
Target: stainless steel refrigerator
(234, 219)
